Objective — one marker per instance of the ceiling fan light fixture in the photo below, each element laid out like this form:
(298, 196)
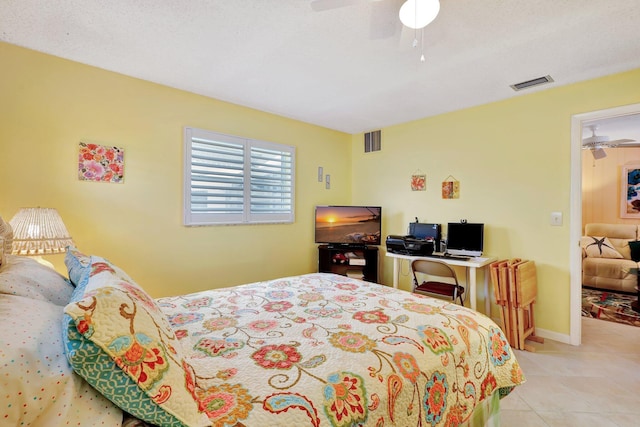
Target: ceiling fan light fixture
(419, 13)
(598, 153)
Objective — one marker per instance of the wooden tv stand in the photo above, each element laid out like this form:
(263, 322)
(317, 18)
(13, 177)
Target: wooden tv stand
(359, 263)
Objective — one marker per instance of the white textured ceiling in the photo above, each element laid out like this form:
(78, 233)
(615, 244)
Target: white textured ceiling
(350, 68)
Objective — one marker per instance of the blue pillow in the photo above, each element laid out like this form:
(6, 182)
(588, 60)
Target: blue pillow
(77, 265)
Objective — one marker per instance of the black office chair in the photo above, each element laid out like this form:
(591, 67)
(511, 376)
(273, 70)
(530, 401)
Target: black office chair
(451, 288)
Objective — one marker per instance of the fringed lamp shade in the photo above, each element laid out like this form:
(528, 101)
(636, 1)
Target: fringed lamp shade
(39, 231)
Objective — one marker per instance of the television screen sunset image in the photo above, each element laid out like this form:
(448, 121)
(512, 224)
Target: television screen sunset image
(348, 224)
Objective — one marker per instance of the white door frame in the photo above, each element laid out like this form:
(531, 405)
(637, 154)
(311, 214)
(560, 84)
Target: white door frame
(575, 225)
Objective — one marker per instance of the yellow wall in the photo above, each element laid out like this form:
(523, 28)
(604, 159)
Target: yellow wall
(48, 105)
(512, 159)
(601, 184)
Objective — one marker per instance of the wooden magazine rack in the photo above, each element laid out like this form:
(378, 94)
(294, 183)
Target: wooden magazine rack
(515, 288)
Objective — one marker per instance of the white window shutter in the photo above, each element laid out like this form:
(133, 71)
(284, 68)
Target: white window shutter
(271, 178)
(232, 180)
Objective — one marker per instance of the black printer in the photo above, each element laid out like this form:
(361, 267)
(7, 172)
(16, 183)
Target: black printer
(409, 245)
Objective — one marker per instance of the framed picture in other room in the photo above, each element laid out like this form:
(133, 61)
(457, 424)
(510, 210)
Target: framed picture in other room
(630, 191)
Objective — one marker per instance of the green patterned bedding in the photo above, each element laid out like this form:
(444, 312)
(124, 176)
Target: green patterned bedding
(326, 350)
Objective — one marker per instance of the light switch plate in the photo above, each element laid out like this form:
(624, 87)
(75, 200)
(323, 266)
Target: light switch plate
(328, 182)
(320, 173)
(556, 218)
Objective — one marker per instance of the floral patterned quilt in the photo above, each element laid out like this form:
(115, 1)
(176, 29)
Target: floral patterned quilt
(327, 350)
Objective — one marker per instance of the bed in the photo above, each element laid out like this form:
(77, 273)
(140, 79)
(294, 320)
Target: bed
(310, 350)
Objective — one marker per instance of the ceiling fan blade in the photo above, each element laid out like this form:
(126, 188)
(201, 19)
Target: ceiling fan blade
(384, 22)
(623, 143)
(618, 143)
(321, 5)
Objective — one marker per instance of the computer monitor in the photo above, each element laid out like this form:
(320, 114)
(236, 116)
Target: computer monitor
(424, 231)
(465, 239)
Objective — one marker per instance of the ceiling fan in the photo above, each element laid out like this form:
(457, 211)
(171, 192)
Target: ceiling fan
(387, 15)
(383, 21)
(597, 143)
(320, 5)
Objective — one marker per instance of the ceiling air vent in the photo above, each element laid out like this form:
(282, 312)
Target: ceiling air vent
(372, 141)
(531, 83)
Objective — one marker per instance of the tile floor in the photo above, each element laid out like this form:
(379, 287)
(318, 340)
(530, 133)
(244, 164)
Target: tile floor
(594, 384)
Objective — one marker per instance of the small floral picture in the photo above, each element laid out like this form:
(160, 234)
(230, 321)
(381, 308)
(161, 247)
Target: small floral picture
(451, 189)
(100, 163)
(418, 182)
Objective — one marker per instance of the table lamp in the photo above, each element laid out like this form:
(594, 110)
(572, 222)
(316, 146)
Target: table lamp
(37, 232)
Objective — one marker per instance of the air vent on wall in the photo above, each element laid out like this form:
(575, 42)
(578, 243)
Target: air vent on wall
(531, 83)
(372, 141)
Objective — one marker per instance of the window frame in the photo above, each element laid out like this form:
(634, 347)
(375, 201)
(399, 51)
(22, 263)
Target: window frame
(249, 148)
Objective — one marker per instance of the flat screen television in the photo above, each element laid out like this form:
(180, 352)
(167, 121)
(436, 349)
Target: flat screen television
(348, 225)
(465, 239)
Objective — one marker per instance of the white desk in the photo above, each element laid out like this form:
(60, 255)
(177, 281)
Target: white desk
(471, 266)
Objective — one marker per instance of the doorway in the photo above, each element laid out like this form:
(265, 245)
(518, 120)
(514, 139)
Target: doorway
(578, 122)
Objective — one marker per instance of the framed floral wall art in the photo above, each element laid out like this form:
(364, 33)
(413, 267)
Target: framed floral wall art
(450, 188)
(100, 163)
(630, 191)
(418, 182)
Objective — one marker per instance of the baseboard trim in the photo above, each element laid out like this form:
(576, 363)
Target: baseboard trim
(544, 333)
